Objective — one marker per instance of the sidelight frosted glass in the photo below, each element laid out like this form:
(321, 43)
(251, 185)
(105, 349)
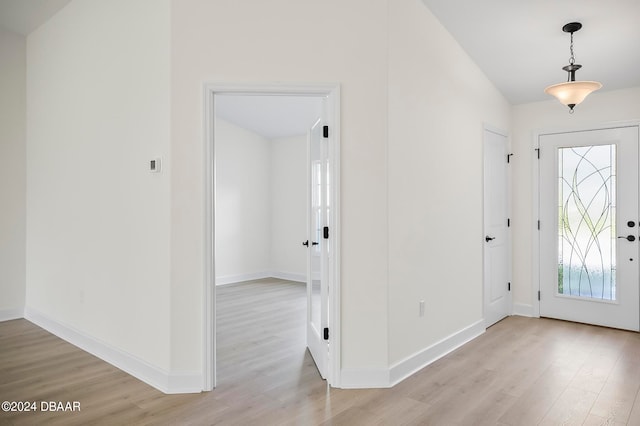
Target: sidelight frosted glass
(587, 222)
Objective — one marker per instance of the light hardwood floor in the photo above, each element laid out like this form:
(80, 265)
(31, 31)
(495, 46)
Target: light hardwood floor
(522, 371)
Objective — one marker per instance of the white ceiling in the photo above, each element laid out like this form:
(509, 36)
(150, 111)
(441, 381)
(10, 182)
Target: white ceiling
(520, 46)
(24, 16)
(270, 116)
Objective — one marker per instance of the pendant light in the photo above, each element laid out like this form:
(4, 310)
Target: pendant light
(572, 92)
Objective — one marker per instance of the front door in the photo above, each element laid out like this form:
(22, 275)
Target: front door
(318, 247)
(496, 235)
(589, 227)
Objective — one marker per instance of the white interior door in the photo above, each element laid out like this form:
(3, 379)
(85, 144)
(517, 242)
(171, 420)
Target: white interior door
(589, 227)
(496, 239)
(318, 247)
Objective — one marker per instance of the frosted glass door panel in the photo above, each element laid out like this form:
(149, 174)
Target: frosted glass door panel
(587, 222)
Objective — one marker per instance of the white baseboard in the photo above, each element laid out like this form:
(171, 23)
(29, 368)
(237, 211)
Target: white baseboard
(290, 276)
(8, 314)
(360, 378)
(523, 310)
(403, 369)
(238, 278)
(167, 382)
(184, 382)
(356, 378)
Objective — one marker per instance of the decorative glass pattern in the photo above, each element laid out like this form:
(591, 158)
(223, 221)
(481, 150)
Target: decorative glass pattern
(587, 222)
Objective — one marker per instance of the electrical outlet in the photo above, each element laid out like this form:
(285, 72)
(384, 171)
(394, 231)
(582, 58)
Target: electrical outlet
(421, 308)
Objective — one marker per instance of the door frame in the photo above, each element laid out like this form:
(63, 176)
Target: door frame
(210, 89)
(509, 260)
(535, 143)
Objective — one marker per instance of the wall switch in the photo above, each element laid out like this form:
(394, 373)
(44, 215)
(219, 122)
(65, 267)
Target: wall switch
(421, 308)
(154, 165)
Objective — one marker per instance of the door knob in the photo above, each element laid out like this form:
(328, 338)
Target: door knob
(629, 237)
(488, 238)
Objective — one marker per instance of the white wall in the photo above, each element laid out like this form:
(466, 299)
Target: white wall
(235, 41)
(413, 107)
(260, 205)
(289, 207)
(243, 205)
(438, 103)
(599, 108)
(12, 174)
(98, 222)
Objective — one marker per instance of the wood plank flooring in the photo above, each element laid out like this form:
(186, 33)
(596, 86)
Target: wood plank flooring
(522, 371)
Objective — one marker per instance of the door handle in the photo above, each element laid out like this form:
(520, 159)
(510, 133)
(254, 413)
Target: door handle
(306, 243)
(629, 237)
(314, 243)
(488, 238)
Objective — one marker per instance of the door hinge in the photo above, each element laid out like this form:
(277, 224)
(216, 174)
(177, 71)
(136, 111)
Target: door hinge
(509, 158)
(326, 333)
(508, 222)
(538, 152)
(538, 294)
(538, 225)
(508, 286)
(325, 232)
(325, 131)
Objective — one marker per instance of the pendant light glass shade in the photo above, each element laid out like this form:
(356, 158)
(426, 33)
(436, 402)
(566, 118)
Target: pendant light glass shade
(572, 92)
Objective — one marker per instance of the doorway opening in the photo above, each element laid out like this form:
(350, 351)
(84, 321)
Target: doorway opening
(266, 244)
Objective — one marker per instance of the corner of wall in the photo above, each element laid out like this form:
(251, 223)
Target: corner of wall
(165, 381)
(8, 314)
(12, 175)
(356, 378)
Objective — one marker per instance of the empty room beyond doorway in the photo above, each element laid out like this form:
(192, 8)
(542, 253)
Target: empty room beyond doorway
(261, 335)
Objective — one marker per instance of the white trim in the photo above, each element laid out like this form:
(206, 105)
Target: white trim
(335, 306)
(209, 283)
(183, 382)
(332, 92)
(493, 129)
(9, 314)
(535, 267)
(290, 276)
(405, 368)
(510, 216)
(164, 381)
(586, 127)
(535, 232)
(232, 279)
(523, 310)
(358, 378)
(362, 378)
